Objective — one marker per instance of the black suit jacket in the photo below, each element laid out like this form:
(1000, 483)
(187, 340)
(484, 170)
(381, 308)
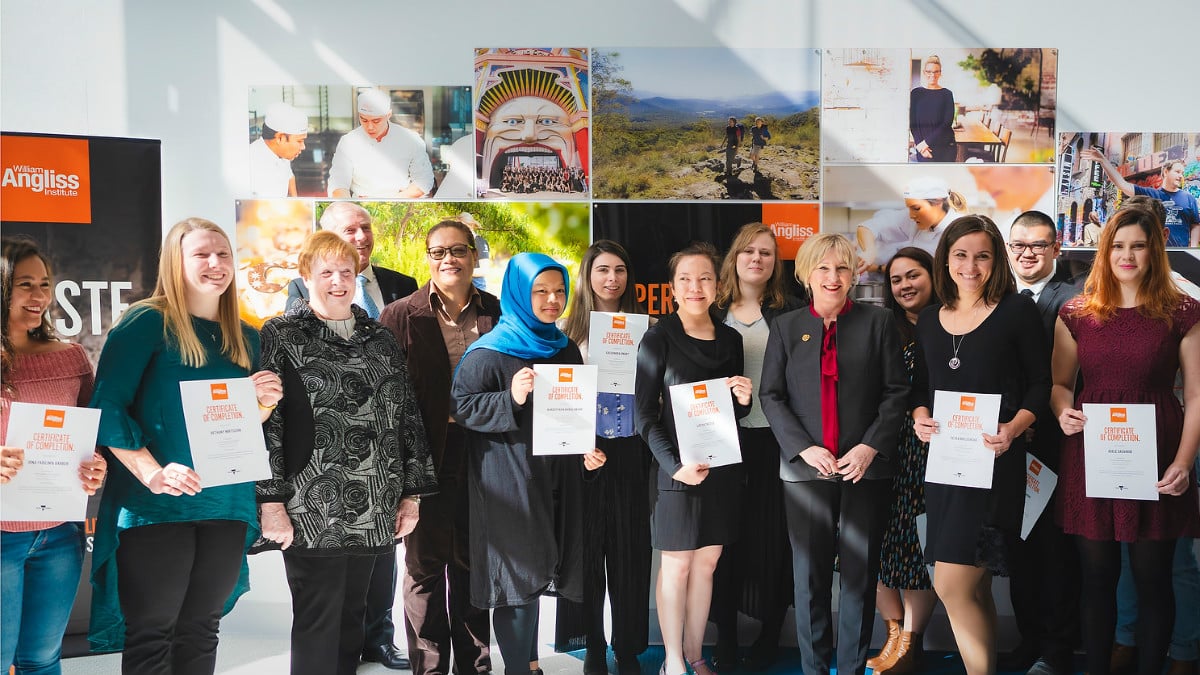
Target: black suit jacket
(872, 387)
(392, 285)
(1047, 434)
(420, 334)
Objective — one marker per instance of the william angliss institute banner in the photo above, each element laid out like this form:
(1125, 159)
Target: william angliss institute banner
(94, 206)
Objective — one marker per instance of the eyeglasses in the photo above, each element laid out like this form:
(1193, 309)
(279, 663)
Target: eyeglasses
(1035, 247)
(459, 251)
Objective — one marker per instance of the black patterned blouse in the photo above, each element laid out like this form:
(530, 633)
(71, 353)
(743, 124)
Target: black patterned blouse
(346, 441)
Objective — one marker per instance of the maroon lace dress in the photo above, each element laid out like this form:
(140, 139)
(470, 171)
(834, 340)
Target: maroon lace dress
(1128, 359)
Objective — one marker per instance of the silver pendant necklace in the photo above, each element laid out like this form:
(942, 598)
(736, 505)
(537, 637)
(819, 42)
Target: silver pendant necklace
(955, 342)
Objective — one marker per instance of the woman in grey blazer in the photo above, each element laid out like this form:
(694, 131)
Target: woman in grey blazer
(834, 390)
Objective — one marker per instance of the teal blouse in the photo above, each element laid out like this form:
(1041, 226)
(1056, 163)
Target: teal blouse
(137, 393)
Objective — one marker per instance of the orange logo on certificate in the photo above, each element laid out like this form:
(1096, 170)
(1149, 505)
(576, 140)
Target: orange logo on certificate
(1118, 415)
(54, 418)
(219, 391)
(619, 322)
(566, 375)
(1036, 467)
(966, 403)
(45, 180)
(699, 391)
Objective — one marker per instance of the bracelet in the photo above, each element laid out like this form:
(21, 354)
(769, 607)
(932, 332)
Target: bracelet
(268, 408)
(416, 499)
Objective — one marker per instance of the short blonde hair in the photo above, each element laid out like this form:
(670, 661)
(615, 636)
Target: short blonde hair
(816, 248)
(324, 245)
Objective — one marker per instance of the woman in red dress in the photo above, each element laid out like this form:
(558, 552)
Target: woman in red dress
(1128, 334)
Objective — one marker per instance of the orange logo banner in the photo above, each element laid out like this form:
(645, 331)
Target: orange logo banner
(792, 224)
(1036, 467)
(566, 375)
(45, 180)
(1118, 415)
(966, 403)
(54, 419)
(219, 391)
(699, 391)
(619, 322)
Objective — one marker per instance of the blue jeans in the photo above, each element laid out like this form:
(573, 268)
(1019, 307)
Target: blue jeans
(40, 574)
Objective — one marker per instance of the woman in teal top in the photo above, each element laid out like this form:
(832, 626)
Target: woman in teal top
(169, 558)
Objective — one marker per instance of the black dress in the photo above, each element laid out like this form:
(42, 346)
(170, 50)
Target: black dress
(931, 120)
(685, 517)
(1007, 355)
(524, 540)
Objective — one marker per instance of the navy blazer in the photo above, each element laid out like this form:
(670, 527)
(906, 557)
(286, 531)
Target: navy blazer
(872, 387)
(392, 286)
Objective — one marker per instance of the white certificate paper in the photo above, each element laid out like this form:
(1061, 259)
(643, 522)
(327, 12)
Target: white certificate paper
(957, 455)
(55, 439)
(613, 341)
(224, 431)
(564, 409)
(705, 423)
(1120, 451)
(1039, 485)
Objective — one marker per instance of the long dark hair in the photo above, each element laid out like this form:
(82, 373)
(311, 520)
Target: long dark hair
(922, 258)
(583, 300)
(15, 251)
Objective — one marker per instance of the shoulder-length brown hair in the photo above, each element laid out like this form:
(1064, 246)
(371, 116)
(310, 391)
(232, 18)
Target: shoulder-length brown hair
(583, 300)
(1000, 281)
(729, 291)
(170, 299)
(1157, 297)
(15, 251)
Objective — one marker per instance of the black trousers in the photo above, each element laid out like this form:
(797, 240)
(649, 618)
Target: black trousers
(616, 553)
(173, 581)
(1044, 589)
(378, 628)
(439, 619)
(329, 596)
(828, 518)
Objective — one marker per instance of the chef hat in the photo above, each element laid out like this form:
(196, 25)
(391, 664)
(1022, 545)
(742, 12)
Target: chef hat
(374, 103)
(285, 119)
(927, 187)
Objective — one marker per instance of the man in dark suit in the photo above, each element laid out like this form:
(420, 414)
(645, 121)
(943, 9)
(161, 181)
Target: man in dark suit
(1044, 585)
(377, 286)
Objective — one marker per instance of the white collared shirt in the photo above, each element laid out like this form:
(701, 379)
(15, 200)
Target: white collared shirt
(1040, 285)
(270, 174)
(370, 168)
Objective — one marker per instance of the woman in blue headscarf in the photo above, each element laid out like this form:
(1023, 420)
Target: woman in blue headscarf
(522, 541)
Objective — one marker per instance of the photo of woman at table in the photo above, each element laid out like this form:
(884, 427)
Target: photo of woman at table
(931, 116)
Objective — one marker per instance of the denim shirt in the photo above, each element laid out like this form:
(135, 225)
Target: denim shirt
(614, 415)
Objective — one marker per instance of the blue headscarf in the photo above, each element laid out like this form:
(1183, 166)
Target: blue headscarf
(519, 333)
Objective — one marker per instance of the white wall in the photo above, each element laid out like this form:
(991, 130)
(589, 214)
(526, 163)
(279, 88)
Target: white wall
(179, 71)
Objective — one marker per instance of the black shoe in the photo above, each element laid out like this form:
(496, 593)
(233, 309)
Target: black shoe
(387, 655)
(1018, 660)
(724, 657)
(1044, 667)
(628, 665)
(595, 662)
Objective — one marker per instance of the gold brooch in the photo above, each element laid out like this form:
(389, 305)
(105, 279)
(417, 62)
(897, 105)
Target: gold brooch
(805, 337)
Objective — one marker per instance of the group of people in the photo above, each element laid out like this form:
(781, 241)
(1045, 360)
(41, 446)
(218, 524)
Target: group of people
(392, 411)
(520, 179)
(734, 133)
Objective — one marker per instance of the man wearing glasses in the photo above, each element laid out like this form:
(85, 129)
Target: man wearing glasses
(435, 326)
(1044, 586)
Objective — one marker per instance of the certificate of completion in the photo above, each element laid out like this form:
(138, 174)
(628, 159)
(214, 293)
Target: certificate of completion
(1039, 485)
(1120, 451)
(957, 455)
(55, 440)
(705, 423)
(613, 341)
(564, 409)
(224, 431)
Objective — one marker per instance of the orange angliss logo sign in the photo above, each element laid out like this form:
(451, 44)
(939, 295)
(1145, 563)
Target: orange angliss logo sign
(699, 391)
(566, 375)
(792, 225)
(1118, 415)
(966, 403)
(45, 180)
(54, 419)
(618, 322)
(219, 391)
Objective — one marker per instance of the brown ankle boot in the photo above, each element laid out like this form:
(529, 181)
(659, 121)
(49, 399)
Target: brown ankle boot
(885, 653)
(907, 656)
